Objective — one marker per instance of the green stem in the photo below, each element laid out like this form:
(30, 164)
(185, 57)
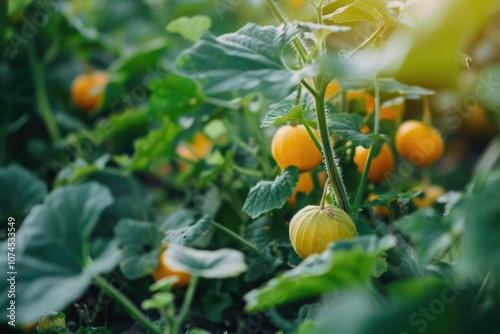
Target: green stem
(248, 172)
(262, 154)
(311, 90)
(244, 146)
(296, 42)
(176, 326)
(235, 236)
(126, 304)
(41, 93)
(481, 290)
(332, 168)
(373, 147)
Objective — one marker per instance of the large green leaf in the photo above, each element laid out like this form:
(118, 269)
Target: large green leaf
(349, 125)
(174, 96)
(52, 260)
(21, 190)
(134, 62)
(347, 264)
(221, 263)
(242, 62)
(140, 242)
(268, 195)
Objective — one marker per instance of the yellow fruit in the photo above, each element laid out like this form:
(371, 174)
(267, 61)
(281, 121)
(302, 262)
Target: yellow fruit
(430, 195)
(87, 90)
(292, 146)
(304, 185)
(476, 122)
(313, 228)
(162, 271)
(332, 89)
(419, 143)
(381, 166)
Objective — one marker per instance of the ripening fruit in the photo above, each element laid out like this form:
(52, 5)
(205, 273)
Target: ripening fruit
(430, 195)
(382, 211)
(162, 271)
(391, 110)
(381, 166)
(313, 228)
(362, 95)
(196, 149)
(419, 143)
(304, 185)
(476, 122)
(51, 320)
(87, 90)
(292, 146)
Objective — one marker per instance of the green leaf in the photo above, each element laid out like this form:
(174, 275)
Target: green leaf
(390, 85)
(349, 125)
(213, 305)
(191, 28)
(52, 260)
(482, 231)
(174, 96)
(429, 235)
(148, 53)
(374, 11)
(21, 190)
(221, 263)
(200, 232)
(79, 169)
(261, 265)
(269, 195)
(347, 264)
(157, 145)
(265, 232)
(178, 219)
(15, 6)
(283, 113)
(243, 62)
(140, 243)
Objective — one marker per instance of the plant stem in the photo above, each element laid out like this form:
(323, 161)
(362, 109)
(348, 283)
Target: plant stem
(41, 93)
(332, 168)
(235, 236)
(262, 154)
(126, 304)
(281, 18)
(176, 326)
(427, 118)
(373, 147)
(325, 191)
(248, 172)
(481, 290)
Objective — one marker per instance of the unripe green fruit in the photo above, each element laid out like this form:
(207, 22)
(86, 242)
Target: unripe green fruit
(313, 228)
(50, 320)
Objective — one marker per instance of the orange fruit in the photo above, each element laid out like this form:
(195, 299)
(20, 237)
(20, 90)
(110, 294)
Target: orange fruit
(162, 271)
(194, 150)
(87, 90)
(382, 211)
(419, 143)
(381, 166)
(430, 195)
(304, 185)
(292, 146)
